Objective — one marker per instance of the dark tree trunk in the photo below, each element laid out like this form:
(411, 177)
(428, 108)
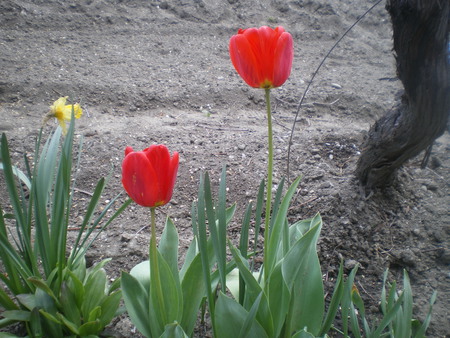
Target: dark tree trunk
(421, 35)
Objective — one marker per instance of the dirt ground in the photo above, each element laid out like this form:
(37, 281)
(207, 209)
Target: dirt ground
(148, 71)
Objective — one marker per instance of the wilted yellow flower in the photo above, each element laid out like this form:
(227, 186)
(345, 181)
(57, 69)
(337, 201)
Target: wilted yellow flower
(63, 112)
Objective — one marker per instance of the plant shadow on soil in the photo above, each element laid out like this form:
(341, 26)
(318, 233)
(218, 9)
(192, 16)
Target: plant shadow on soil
(159, 72)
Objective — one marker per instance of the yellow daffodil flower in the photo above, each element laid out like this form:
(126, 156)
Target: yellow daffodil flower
(63, 112)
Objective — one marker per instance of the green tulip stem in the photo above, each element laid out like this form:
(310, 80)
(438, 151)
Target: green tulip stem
(154, 268)
(269, 175)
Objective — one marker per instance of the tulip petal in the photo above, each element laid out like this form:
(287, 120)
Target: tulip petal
(128, 150)
(139, 179)
(283, 56)
(172, 176)
(262, 57)
(159, 157)
(244, 59)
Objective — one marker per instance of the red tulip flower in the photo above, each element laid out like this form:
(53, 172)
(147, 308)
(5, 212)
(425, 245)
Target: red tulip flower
(149, 176)
(262, 56)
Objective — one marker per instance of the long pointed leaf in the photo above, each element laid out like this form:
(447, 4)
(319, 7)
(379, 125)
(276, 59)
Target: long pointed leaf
(276, 205)
(274, 239)
(168, 247)
(389, 316)
(301, 270)
(194, 290)
(246, 327)
(230, 318)
(203, 247)
(253, 291)
(334, 302)
(172, 299)
(222, 227)
(279, 297)
(10, 182)
(136, 302)
(89, 213)
(43, 179)
(258, 213)
(423, 328)
(346, 300)
(243, 248)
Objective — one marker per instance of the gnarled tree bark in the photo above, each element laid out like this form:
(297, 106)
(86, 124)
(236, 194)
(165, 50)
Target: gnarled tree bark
(421, 36)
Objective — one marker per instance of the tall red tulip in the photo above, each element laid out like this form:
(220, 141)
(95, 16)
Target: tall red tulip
(149, 176)
(262, 56)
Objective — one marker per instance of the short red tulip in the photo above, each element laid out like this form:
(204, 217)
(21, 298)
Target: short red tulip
(149, 176)
(262, 56)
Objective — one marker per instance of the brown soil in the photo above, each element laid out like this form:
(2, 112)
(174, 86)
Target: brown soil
(159, 72)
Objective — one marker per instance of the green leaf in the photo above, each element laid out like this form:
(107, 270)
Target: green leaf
(69, 324)
(276, 205)
(20, 175)
(28, 300)
(303, 334)
(94, 292)
(6, 334)
(203, 248)
(243, 248)
(191, 253)
(141, 272)
(246, 327)
(43, 179)
(90, 328)
(216, 232)
(243, 240)
(194, 290)
(115, 285)
(109, 307)
(354, 321)
(229, 213)
(49, 316)
(301, 271)
(253, 291)
(17, 315)
(136, 303)
(6, 302)
(94, 314)
(407, 308)
(174, 331)
(168, 246)
(233, 284)
(230, 319)
(97, 267)
(291, 266)
(222, 227)
(346, 300)
(423, 328)
(277, 229)
(11, 184)
(88, 217)
(172, 296)
(69, 305)
(279, 298)
(77, 288)
(78, 266)
(24, 264)
(389, 316)
(44, 287)
(86, 242)
(334, 302)
(258, 213)
(35, 323)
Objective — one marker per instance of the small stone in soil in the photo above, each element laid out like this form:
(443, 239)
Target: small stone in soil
(349, 264)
